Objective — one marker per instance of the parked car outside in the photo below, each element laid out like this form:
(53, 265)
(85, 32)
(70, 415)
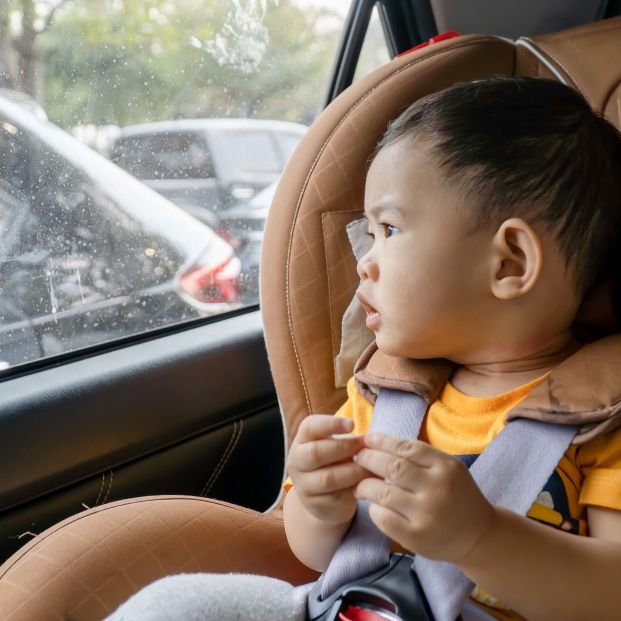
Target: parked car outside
(243, 227)
(89, 254)
(212, 168)
(25, 100)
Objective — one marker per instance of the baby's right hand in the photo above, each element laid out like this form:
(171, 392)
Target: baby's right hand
(322, 469)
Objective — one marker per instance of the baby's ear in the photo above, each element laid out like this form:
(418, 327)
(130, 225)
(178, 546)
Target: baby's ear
(517, 259)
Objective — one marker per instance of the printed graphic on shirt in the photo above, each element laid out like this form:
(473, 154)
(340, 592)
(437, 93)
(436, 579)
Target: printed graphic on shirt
(551, 506)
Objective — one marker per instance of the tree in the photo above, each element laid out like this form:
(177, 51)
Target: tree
(22, 22)
(127, 61)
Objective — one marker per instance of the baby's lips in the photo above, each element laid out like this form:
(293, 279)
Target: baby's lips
(367, 307)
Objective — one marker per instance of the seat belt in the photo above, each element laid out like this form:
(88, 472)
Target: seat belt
(510, 472)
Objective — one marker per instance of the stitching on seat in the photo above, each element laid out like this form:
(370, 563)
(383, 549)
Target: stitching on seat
(237, 431)
(109, 487)
(53, 531)
(325, 256)
(431, 54)
(103, 481)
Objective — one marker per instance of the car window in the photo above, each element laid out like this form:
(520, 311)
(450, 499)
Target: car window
(119, 211)
(167, 155)
(80, 265)
(253, 151)
(374, 52)
(15, 169)
(287, 143)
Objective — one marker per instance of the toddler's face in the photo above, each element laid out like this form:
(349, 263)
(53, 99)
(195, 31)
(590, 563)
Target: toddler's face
(424, 281)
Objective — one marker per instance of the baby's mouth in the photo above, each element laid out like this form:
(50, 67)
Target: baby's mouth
(373, 317)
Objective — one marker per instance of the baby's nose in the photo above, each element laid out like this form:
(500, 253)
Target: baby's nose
(367, 268)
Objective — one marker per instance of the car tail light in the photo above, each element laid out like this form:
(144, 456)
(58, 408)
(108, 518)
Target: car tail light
(209, 284)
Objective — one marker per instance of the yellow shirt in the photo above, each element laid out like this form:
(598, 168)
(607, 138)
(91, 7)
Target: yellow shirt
(464, 426)
(458, 424)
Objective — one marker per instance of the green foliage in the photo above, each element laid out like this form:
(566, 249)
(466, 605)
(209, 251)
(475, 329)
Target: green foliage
(127, 61)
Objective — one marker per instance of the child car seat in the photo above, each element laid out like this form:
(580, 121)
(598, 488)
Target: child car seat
(85, 566)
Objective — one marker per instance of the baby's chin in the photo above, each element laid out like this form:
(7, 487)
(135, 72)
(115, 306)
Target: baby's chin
(397, 349)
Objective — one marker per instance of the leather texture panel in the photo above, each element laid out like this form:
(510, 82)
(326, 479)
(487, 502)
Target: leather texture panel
(95, 414)
(84, 567)
(241, 463)
(588, 57)
(326, 175)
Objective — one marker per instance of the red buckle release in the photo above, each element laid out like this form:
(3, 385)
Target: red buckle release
(353, 613)
(449, 34)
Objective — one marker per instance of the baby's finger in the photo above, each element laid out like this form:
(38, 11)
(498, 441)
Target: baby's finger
(415, 451)
(386, 495)
(320, 453)
(318, 426)
(399, 470)
(394, 525)
(333, 479)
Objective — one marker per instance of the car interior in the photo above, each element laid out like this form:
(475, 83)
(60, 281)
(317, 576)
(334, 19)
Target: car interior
(164, 452)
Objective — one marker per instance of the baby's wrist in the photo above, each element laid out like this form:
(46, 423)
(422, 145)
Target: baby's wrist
(482, 551)
(327, 518)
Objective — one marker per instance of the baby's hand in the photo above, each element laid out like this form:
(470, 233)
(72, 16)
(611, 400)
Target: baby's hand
(322, 469)
(429, 504)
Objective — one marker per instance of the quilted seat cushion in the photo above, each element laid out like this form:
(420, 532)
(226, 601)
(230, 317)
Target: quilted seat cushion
(84, 567)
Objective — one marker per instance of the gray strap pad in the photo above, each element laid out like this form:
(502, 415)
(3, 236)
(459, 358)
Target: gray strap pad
(510, 472)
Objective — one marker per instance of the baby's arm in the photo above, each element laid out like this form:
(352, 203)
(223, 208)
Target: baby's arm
(321, 505)
(432, 506)
(550, 574)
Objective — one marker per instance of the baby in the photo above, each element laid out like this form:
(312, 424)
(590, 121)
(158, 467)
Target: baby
(494, 208)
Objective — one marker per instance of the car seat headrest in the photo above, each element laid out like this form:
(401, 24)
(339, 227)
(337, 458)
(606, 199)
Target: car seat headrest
(308, 273)
(586, 58)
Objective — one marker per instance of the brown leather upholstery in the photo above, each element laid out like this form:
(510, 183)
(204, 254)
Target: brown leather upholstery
(85, 566)
(586, 58)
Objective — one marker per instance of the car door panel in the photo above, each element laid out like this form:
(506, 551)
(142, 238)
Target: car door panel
(192, 412)
(185, 410)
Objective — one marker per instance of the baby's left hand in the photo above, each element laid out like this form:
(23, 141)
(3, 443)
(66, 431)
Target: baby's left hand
(429, 504)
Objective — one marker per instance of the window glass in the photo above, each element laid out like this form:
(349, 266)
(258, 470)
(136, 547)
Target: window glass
(166, 155)
(287, 143)
(82, 264)
(253, 151)
(140, 144)
(374, 52)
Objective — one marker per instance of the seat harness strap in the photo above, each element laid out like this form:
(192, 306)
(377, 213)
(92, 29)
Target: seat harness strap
(510, 472)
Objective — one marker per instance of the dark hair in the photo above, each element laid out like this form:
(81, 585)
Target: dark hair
(531, 148)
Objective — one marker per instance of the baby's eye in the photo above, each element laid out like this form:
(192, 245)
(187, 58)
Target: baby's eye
(370, 234)
(389, 230)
